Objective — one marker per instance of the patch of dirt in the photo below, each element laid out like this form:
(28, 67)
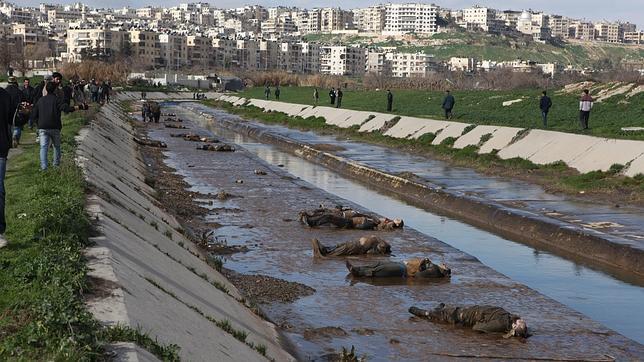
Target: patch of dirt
(264, 289)
(324, 332)
(100, 288)
(326, 147)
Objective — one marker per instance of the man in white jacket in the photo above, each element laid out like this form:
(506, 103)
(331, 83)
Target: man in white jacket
(585, 105)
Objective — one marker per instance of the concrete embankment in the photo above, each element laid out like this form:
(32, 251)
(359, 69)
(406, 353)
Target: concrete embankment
(619, 257)
(581, 152)
(151, 276)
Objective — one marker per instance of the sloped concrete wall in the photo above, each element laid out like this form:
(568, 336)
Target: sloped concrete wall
(159, 281)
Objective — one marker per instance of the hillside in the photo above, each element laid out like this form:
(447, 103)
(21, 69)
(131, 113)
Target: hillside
(497, 48)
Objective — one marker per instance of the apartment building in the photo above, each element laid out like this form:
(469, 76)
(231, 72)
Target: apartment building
(377, 64)
(173, 50)
(582, 30)
(559, 26)
(146, 47)
(335, 19)
(281, 25)
(462, 64)
(371, 19)
(483, 18)
(407, 65)
(248, 54)
(310, 57)
(81, 41)
(534, 25)
(225, 52)
(608, 32)
(509, 18)
(342, 60)
(268, 50)
(634, 37)
(30, 34)
(17, 14)
(410, 18)
(199, 50)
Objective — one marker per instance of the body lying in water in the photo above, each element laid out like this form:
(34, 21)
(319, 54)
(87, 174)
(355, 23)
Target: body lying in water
(365, 245)
(348, 219)
(218, 147)
(481, 318)
(412, 268)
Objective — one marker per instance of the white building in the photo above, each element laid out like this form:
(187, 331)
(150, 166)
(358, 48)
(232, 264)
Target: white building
(342, 60)
(406, 65)
(371, 19)
(410, 18)
(481, 18)
(534, 25)
(81, 41)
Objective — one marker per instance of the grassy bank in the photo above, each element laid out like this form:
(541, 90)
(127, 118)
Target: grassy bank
(556, 177)
(486, 107)
(42, 270)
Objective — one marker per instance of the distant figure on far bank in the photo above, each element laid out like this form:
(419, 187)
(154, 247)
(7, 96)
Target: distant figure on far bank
(338, 101)
(316, 96)
(390, 100)
(332, 95)
(585, 105)
(277, 93)
(267, 92)
(544, 104)
(448, 104)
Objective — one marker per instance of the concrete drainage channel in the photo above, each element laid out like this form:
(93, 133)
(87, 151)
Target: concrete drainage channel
(152, 276)
(584, 289)
(614, 255)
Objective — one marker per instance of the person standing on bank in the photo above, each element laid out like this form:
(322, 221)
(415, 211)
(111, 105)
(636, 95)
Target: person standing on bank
(277, 93)
(332, 95)
(47, 113)
(448, 104)
(585, 105)
(316, 96)
(390, 101)
(338, 101)
(6, 117)
(16, 102)
(544, 104)
(267, 92)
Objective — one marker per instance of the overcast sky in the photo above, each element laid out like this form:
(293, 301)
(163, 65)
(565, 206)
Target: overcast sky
(611, 10)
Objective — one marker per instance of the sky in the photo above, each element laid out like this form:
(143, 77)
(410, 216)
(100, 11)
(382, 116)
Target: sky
(610, 10)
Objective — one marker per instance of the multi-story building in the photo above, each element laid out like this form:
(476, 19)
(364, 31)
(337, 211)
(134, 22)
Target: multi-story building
(407, 65)
(335, 19)
(308, 21)
(146, 47)
(310, 58)
(481, 18)
(17, 14)
(268, 50)
(377, 64)
(342, 60)
(462, 64)
(410, 18)
(282, 24)
(559, 26)
(509, 18)
(248, 55)
(199, 50)
(225, 53)
(371, 19)
(534, 25)
(173, 50)
(31, 35)
(634, 37)
(102, 40)
(582, 30)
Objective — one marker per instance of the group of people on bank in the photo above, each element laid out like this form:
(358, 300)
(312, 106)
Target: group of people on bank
(41, 106)
(481, 318)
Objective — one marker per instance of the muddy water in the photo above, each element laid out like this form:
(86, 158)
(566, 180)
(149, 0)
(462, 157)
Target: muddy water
(612, 302)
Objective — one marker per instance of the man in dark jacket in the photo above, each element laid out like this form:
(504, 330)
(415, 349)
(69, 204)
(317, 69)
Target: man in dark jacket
(412, 268)
(277, 93)
(332, 95)
(6, 117)
(28, 92)
(448, 104)
(390, 100)
(338, 98)
(544, 104)
(481, 318)
(372, 245)
(47, 114)
(16, 101)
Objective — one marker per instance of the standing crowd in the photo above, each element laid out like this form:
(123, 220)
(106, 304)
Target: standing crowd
(41, 106)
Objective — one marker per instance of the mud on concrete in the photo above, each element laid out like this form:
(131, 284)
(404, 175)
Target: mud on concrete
(188, 207)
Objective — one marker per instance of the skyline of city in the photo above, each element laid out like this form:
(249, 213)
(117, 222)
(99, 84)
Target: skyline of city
(594, 10)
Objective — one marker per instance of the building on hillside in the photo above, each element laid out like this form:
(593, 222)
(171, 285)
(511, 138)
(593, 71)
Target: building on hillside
(582, 30)
(509, 18)
(31, 35)
(410, 18)
(280, 25)
(146, 47)
(248, 54)
(225, 53)
(97, 41)
(371, 19)
(559, 26)
(407, 65)
(377, 64)
(173, 50)
(310, 57)
(342, 60)
(199, 50)
(534, 25)
(308, 21)
(461, 64)
(332, 19)
(634, 37)
(483, 18)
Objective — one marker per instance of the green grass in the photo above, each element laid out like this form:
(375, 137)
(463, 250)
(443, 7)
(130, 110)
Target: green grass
(42, 270)
(485, 107)
(555, 177)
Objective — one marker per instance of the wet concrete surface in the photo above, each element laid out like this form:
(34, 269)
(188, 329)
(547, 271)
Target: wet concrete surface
(623, 222)
(280, 247)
